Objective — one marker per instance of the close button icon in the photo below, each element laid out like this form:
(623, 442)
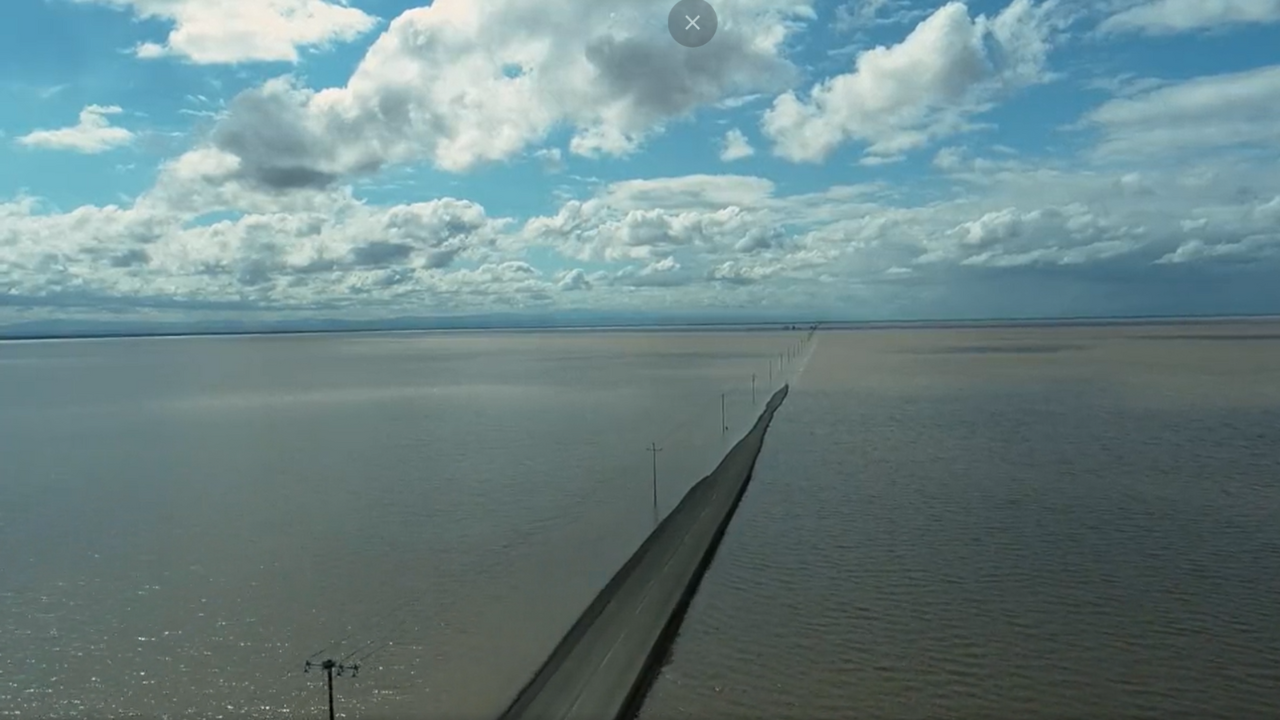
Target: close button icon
(692, 23)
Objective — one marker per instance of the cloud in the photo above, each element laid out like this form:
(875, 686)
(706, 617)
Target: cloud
(551, 158)
(1166, 17)
(575, 279)
(704, 192)
(699, 216)
(665, 272)
(862, 14)
(727, 241)
(736, 102)
(94, 134)
(949, 158)
(276, 259)
(904, 97)
(1246, 250)
(465, 82)
(1201, 114)
(736, 272)
(735, 146)
(236, 31)
(1065, 235)
(877, 160)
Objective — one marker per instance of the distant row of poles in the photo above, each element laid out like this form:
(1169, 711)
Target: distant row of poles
(785, 358)
(351, 662)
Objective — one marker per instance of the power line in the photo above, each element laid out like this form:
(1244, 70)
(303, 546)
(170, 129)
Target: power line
(377, 620)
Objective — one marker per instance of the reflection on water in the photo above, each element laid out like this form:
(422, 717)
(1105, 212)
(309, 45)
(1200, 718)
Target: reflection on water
(185, 521)
(1089, 532)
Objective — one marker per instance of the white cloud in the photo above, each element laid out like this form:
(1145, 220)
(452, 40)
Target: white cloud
(575, 279)
(1248, 249)
(276, 259)
(690, 192)
(1205, 113)
(698, 216)
(1062, 235)
(665, 272)
(739, 272)
(464, 82)
(903, 97)
(735, 146)
(94, 133)
(552, 159)
(862, 14)
(1163, 17)
(949, 158)
(700, 240)
(736, 102)
(234, 31)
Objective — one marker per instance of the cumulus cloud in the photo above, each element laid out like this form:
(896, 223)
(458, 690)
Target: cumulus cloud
(1067, 235)
(903, 97)
(651, 220)
(276, 259)
(819, 247)
(665, 272)
(464, 82)
(1247, 250)
(735, 146)
(1165, 17)
(93, 134)
(575, 279)
(234, 31)
(261, 213)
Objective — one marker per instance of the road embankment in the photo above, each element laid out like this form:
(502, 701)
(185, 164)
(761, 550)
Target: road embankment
(605, 664)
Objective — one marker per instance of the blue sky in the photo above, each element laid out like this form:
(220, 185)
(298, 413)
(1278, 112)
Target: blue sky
(866, 159)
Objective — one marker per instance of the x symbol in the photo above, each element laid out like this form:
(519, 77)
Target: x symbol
(693, 22)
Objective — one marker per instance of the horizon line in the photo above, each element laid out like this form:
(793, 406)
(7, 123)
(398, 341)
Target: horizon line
(656, 324)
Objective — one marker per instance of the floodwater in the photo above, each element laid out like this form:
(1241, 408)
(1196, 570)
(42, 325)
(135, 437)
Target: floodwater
(1003, 523)
(185, 521)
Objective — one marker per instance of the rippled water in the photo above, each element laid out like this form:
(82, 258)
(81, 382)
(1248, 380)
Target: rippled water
(1034, 523)
(184, 521)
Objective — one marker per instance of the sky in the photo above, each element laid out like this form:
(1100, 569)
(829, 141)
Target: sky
(863, 159)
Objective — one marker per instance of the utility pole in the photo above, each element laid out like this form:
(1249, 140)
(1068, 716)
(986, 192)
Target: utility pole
(653, 448)
(329, 666)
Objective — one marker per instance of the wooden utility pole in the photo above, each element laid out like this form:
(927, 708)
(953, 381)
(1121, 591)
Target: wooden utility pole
(329, 666)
